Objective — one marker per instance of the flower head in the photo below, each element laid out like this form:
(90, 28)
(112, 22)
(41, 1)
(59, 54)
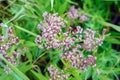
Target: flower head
(57, 75)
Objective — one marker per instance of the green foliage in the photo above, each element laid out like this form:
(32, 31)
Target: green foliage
(27, 14)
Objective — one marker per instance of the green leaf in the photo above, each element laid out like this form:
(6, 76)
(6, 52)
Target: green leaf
(29, 44)
(75, 73)
(39, 76)
(17, 71)
(25, 30)
(116, 27)
(62, 8)
(25, 67)
(88, 73)
(17, 15)
(94, 76)
(112, 40)
(71, 2)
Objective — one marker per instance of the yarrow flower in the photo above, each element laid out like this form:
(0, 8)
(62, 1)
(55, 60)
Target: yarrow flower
(57, 75)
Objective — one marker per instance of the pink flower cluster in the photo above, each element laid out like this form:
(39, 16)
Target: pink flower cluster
(71, 41)
(91, 42)
(77, 60)
(57, 75)
(73, 14)
(52, 35)
(6, 44)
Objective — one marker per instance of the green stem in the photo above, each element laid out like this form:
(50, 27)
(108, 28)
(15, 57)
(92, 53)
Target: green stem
(52, 2)
(25, 30)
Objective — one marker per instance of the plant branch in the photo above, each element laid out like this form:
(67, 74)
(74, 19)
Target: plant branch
(25, 30)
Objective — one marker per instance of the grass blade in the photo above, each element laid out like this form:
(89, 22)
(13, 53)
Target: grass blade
(18, 72)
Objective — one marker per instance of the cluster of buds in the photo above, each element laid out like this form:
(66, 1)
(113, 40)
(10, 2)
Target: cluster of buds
(73, 14)
(89, 39)
(78, 61)
(6, 43)
(57, 75)
(91, 42)
(52, 35)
